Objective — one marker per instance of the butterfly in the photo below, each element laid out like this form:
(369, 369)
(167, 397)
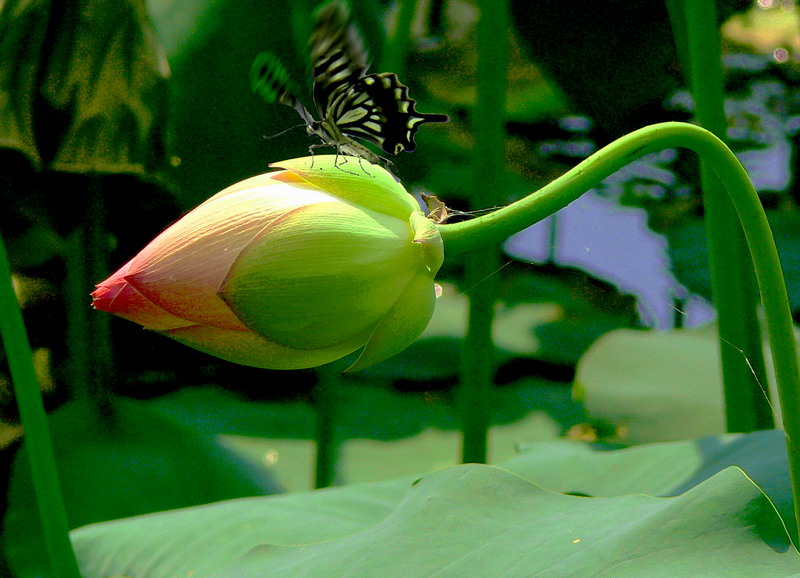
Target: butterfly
(351, 103)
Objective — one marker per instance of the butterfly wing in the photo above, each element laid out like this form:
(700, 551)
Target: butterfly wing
(374, 107)
(270, 80)
(378, 109)
(338, 56)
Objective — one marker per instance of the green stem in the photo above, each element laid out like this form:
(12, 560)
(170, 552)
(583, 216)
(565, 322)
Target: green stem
(326, 402)
(477, 364)
(747, 405)
(88, 336)
(494, 227)
(49, 499)
(99, 326)
(76, 288)
(477, 359)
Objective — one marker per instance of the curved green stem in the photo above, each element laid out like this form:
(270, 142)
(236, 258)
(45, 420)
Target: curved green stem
(496, 226)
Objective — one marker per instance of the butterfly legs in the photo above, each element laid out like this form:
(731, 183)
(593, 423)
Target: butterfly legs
(353, 149)
(384, 162)
(336, 162)
(339, 154)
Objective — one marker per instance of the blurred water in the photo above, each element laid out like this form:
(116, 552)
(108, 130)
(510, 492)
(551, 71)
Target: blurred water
(613, 242)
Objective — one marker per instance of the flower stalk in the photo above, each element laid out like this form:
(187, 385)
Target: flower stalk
(326, 405)
(494, 227)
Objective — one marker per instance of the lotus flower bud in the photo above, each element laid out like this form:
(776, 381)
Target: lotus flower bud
(288, 270)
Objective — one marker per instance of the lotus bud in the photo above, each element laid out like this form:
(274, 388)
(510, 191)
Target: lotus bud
(290, 269)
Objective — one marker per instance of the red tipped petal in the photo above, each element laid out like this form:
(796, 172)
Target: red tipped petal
(182, 269)
(115, 295)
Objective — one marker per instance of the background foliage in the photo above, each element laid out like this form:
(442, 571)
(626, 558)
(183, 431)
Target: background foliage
(171, 428)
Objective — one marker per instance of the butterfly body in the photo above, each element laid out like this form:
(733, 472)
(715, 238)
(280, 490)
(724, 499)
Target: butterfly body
(345, 146)
(351, 104)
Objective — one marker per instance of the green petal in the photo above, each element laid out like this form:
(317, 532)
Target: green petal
(247, 348)
(359, 182)
(402, 324)
(321, 274)
(182, 269)
(428, 239)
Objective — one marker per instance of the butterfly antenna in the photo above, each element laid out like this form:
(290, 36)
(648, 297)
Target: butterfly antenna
(284, 131)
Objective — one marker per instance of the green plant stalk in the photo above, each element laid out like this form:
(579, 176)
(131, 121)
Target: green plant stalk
(477, 356)
(492, 228)
(325, 395)
(99, 326)
(49, 499)
(75, 290)
(88, 336)
(477, 364)
(747, 405)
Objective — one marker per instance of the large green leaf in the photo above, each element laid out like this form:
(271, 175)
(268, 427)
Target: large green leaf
(655, 385)
(384, 434)
(570, 466)
(127, 461)
(464, 520)
(659, 469)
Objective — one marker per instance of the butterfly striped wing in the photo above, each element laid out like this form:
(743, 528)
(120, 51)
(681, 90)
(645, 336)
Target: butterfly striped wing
(378, 109)
(338, 56)
(351, 103)
(270, 80)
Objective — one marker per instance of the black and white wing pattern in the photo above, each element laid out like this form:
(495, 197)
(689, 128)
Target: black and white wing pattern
(351, 103)
(270, 80)
(379, 110)
(338, 56)
(374, 107)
